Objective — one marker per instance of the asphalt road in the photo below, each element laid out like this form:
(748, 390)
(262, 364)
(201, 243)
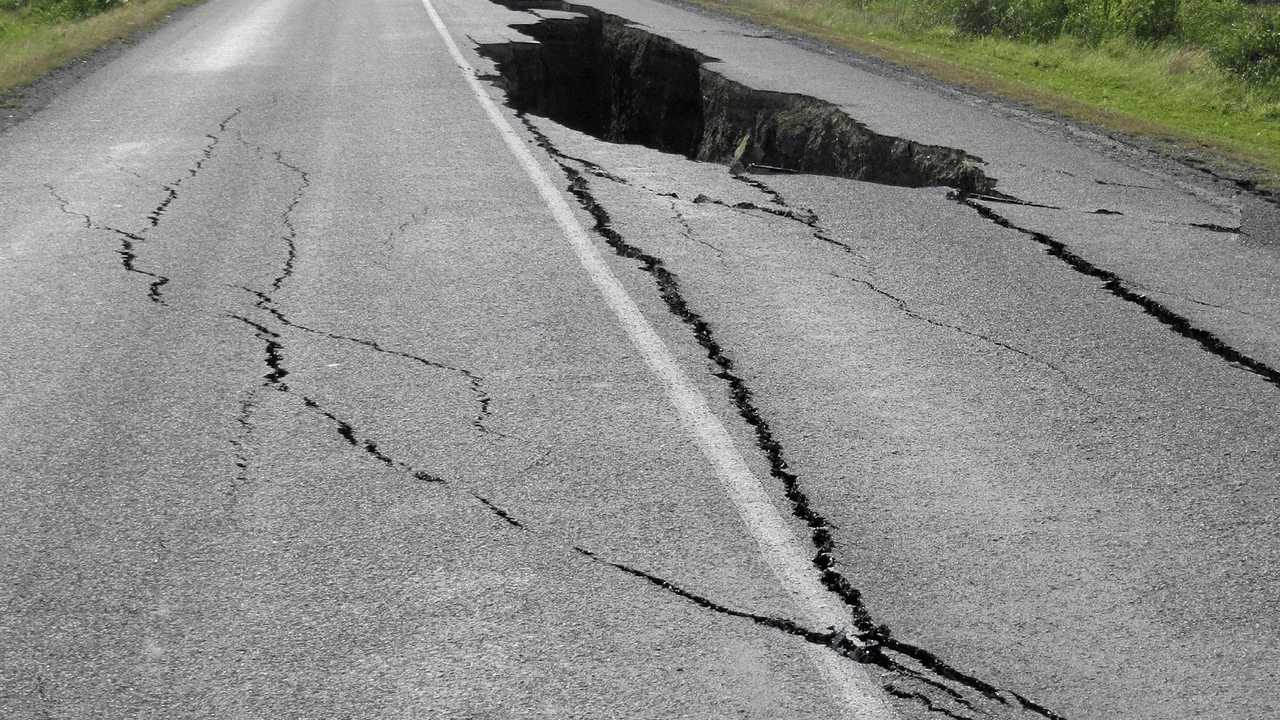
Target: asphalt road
(336, 389)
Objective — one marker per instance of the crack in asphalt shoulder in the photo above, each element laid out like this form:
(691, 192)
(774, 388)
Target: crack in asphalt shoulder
(907, 310)
(1120, 288)
(687, 231)
(867, 633)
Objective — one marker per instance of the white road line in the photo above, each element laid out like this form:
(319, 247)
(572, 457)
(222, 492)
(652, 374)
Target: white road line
(778, 544)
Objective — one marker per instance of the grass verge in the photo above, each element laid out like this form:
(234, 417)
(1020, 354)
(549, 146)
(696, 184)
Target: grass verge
(32, 45)
(1170, 93)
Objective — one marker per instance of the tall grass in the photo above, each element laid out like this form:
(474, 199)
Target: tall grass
(1203, 74)
(37, 36)
(55, 10)
(1242, 39)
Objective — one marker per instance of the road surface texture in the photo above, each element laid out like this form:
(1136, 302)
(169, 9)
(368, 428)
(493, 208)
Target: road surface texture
(383, 360)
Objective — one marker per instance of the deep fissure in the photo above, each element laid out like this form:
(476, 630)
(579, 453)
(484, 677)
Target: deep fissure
(603, 76)
(874, 640)
(610, 79)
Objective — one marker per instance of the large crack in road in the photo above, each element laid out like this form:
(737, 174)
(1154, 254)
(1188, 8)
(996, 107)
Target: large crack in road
(605, 77)
(602, 76)
(672, 102)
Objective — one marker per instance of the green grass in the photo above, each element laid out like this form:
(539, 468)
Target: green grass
(38, 36)
(1175, 90)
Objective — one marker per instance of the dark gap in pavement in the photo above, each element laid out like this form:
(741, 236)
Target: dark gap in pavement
(874, 642)
(1123, 289)
(605, 77)
(621, 83)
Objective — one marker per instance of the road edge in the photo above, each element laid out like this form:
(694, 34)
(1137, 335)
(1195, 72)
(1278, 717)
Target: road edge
(1162, 154)
(21, 103)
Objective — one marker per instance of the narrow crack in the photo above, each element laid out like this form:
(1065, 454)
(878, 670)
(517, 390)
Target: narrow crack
(367, 445)
(127, 250)
(687, 230)
(867, 633)
(996, 197)
(475, 383)
(1118, 286)
(290, 236)
(1123, 185)
(241, 442)
(171, 188)
(45, 704)
(1213, 227)
(923, 700)
(506, 517)
(907, 310)
(393, 234)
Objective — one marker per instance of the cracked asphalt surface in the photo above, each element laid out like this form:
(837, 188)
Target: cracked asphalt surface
(312, 412)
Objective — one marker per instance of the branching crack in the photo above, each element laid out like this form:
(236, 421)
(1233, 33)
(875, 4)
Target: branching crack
(171, 189)
(924, 700)
(1117, 286)
(274, 379)
(907, 310)
(127, 249)
(687, 230)
(868, 638)
(803, 216)
(475, 383)
(273, 343)
(129, 241)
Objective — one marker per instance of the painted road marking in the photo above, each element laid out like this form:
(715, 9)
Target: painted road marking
(778, 544)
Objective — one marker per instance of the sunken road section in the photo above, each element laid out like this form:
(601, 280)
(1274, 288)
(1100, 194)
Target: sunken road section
(602, 76)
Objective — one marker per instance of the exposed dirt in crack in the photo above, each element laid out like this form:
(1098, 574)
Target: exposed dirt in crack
(875, 643)
(607, 78)
(620, 83)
